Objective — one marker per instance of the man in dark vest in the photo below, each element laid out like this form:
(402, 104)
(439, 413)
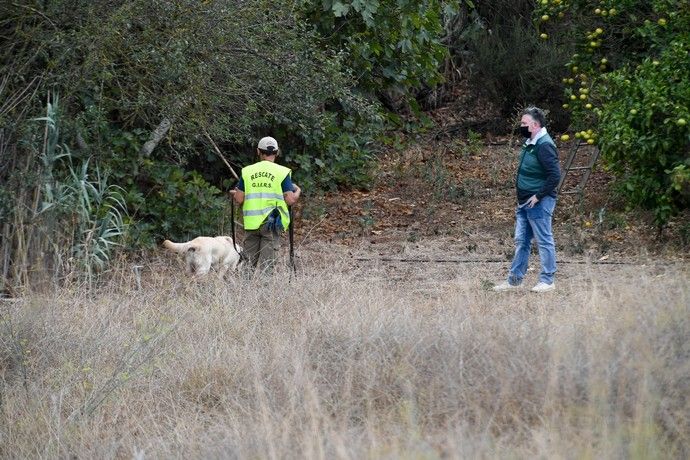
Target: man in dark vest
(536, 183)
(265, 191)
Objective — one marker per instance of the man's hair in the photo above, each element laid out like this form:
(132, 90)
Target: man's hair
(268, 152)
(537, 115)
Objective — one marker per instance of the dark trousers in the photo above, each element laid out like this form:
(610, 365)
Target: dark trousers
(262, 246)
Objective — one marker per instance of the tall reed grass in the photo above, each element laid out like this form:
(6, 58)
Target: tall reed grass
(61, 218)
(347, 361)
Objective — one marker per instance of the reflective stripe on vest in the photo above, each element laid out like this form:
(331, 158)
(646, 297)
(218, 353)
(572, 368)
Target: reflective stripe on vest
(263, 193)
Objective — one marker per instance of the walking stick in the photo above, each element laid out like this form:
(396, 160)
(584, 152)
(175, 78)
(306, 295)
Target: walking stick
(291, 235)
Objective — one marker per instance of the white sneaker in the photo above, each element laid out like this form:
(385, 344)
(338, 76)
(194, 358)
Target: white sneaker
(505, 286)
(543, 287)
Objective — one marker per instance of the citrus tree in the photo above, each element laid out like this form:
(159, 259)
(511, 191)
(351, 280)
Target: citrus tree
(628, 90)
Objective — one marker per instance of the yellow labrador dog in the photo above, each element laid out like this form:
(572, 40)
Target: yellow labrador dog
(205, 252)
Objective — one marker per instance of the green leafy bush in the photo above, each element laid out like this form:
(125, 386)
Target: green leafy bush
(225, 68)
(169, 202)
(629, 92)
(392, 45)
(644, 132)
(508, 63)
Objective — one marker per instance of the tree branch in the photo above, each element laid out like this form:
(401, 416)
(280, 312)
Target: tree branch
(156, 136)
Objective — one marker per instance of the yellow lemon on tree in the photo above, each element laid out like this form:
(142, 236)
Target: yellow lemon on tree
(588, 106)
(681, 122)
(543, 36)
(565, 137)
(545, 17)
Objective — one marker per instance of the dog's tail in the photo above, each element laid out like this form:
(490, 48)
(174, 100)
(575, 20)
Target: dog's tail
(178, 247)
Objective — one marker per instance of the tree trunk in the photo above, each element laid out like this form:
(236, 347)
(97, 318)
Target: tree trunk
(156, 136)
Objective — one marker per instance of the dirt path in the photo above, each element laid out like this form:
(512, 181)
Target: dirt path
(461, 193)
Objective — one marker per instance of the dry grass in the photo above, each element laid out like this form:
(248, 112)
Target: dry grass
(352, 360)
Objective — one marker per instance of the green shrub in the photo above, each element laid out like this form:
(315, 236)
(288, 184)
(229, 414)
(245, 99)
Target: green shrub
(509, 64)
(224, 68)
(392, 45)
(169, 202)
(644, 133)
(629, 93)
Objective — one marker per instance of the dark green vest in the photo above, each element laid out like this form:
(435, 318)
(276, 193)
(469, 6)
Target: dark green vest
(531, 175)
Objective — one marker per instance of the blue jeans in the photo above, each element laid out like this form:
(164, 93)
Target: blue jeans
(534, 223)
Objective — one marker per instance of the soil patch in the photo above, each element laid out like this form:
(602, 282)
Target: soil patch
(460, 190)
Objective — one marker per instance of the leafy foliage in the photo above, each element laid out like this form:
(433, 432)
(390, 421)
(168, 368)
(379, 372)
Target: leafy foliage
(233, 69)
(170, 202)
(644, 132)
(633, 100)
(86, 214)
(101, 220)
(507, 61)
(392, 44)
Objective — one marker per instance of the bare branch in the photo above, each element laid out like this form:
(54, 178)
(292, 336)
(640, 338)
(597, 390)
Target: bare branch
(221, 155)
(156, 136)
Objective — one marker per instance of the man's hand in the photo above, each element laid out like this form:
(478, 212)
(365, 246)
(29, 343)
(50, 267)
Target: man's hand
(237, 195)
(292, 197)
(532, 201)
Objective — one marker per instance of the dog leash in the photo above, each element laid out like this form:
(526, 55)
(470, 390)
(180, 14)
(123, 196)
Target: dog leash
(243, 256)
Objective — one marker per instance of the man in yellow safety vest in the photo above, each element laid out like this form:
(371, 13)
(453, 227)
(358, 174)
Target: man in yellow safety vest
(265, 191)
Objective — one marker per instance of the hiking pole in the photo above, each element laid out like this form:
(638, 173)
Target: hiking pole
(291, 237)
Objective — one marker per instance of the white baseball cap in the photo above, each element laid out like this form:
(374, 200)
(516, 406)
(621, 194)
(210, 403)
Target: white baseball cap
(268, 144)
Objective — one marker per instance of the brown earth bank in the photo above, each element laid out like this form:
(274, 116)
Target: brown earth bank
(459, 191)
(454, 184)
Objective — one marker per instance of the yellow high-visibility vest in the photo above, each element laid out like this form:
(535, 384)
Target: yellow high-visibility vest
(263, 193)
